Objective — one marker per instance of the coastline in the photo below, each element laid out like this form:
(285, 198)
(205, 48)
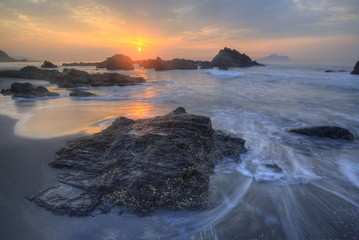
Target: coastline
(23, 170)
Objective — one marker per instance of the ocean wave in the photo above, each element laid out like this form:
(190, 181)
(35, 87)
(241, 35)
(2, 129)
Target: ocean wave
(225, 73)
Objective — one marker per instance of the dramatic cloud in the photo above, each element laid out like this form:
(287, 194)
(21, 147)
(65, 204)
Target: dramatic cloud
(302, 29)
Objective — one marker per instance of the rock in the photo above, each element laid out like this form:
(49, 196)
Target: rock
(79, 93)
(205, 65)
(75, 78)
(356, 69)
(175, 64)
(274, 167)
(48, 64)
(27, 90)
(80, 64)
(31, 72)
(117, 61)
(232, 58)
(325, 131)
(332, 71)
(71, 78)
(161, 162)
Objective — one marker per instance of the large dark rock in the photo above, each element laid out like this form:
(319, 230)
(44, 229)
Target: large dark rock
(80, 93)
(356, 69)
(48, 64)
(117, 61)
(27, 90)
(75, 78)
(324, 131)
(175, 64)
(140, 165)
(232, 58)
(31, 72)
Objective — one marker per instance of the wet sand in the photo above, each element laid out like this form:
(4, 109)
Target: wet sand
(24, 170)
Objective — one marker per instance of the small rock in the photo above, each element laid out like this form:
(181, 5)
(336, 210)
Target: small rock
(48, 64)
(79, 93)
(325, 131)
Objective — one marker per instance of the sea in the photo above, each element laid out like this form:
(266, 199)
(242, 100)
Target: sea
(316, 196)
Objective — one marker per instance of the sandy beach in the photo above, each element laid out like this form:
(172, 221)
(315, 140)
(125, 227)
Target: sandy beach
(23, 170)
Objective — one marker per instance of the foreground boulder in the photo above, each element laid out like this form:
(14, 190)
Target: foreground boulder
(356, 69)
(325, 131)
(27, 90)
(48, 64)
(232, 58)
(140, 165)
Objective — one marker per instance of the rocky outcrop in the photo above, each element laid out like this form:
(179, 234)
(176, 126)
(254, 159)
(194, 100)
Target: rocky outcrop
(232, 58)
(141, 165)
(205, 64)
(48, 64)
(80, 64)
(325, 131)
(31, 72)
(27, 90)
(356, 69)
(117, 61)
(80, 93)
(71, 78)
(175, 64)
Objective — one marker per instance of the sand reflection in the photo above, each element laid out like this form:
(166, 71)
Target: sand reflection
(80, 118)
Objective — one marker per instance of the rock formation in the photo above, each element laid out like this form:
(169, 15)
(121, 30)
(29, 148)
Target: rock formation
(80, 93)
(324, 131)
(175, 64)
(356, 69)
(232, 58)
(117, 61)
(141, 165)
(48, 64)
(27, 90)
(31, 72)
(71, 78)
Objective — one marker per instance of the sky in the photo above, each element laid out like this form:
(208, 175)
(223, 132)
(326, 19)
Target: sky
(89, 30)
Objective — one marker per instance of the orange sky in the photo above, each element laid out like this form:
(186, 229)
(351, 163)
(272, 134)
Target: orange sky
(93, 30)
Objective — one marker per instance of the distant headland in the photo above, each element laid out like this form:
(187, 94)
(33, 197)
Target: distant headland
(4, 57)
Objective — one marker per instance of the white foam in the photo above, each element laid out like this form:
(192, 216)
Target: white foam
(225, 73)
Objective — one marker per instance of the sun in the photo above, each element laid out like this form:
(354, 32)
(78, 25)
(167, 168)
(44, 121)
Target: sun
(139, 49)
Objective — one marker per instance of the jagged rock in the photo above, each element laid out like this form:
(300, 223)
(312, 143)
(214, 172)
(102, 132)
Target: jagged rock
(325, 131)
(141, 165)
(31, 72)
(75, 78)
(48, 64)
(79, 93)
(117, 61)
(356, 69)
(27, 90)
(232, 58)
